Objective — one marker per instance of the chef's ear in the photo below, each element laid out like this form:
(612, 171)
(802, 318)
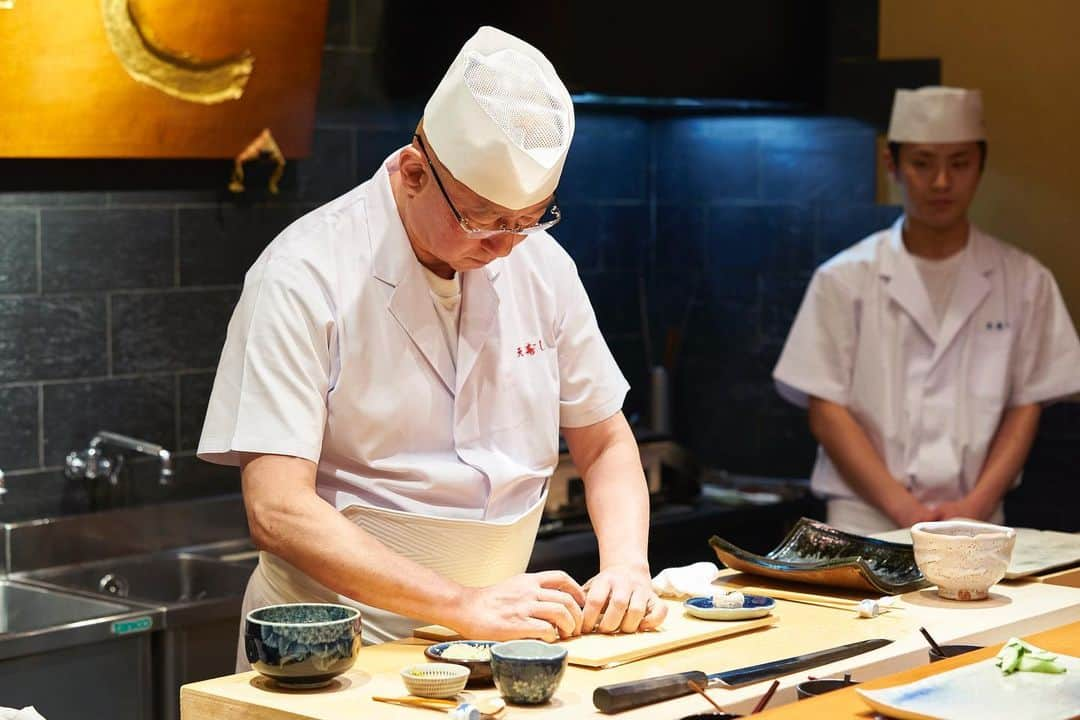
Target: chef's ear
(891, 157)
(413, 168)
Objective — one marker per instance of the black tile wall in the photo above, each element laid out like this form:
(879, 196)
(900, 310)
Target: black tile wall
(169, 330)
(50, 337)
(340, 24)
(192, 479)
(840, 226)
(759, 236)
(327, 173)
(608, 160)
(38, 200)
(218, 244)
(194, 397)
(40, 494)
(347, 85)
(680, 237)
(18, 251)
(367, 17)
(97, 249)
(143, 407)
(375, 145)
(114, 300)
(703, 160)
(19, 440)
(819, 161)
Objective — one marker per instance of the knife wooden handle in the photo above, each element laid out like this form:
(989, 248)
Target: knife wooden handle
(628, 695)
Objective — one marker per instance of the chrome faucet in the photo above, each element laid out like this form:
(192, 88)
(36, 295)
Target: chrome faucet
(93, 462)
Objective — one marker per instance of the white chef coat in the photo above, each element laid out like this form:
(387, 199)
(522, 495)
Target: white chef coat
(335, 353)
(930, 396)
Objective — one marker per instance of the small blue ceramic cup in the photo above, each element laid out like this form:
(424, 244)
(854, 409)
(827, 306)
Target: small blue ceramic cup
(527, 671)
(302, 645)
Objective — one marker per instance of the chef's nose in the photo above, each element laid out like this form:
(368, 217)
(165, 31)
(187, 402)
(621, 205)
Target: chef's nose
(942, 180)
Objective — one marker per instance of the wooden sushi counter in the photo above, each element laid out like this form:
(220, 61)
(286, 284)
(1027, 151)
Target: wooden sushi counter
(1021, 608)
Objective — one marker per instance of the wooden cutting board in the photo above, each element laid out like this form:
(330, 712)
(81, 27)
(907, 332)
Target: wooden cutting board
(602, 651)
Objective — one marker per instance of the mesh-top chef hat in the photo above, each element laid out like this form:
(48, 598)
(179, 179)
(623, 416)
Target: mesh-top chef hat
(501, 120)
(937, 115)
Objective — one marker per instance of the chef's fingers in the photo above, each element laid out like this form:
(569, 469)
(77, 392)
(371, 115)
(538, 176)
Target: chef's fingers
(537, 629)
(655, 612)
(618, 602)
(635, 611)
(595, 602)
(557, 615)
(571, 605)
(558, 580)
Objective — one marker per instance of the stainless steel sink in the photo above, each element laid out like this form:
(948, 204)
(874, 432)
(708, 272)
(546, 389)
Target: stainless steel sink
(232, 551)
(35, 619)
(26, 609)
(189, 589)
(165, 578)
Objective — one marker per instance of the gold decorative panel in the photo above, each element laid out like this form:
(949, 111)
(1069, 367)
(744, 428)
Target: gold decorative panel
(157, 78)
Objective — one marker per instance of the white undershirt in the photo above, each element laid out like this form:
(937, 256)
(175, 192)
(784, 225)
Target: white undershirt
(939, 277)
(446, 295)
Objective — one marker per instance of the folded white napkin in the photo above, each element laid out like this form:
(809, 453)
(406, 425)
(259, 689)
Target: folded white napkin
(27, 713)
(686, 581)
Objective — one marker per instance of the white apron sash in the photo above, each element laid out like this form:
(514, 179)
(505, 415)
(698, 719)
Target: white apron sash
(474, 553)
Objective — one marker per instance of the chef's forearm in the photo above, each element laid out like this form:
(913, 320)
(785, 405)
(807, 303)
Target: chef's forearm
(851, 451)
(1008, 451)
(288, 519)
(616, 493)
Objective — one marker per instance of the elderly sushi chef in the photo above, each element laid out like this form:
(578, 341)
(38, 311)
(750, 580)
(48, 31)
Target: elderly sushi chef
(925, 351)
(399, 367)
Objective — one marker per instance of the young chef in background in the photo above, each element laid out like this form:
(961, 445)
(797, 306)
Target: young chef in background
(925, 351)
(394, 382)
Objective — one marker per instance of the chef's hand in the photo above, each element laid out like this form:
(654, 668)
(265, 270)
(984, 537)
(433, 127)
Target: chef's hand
(544, 606)
(620, 598)
(908, 511)
(966, 507)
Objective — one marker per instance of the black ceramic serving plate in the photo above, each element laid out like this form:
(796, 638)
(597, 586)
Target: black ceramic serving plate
(816, 553)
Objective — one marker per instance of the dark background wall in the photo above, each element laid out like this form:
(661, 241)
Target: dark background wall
(694, 234)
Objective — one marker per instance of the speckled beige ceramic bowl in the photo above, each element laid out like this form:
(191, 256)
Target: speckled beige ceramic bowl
(962, 557)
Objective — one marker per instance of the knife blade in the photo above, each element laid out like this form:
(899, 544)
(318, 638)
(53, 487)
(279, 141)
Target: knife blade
(637, 693)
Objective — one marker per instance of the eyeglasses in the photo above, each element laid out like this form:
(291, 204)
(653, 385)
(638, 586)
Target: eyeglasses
(550, 218)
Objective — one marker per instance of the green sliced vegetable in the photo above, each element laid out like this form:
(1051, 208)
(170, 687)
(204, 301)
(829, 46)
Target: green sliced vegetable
(1017, 655)
(1030, 664)
(1009, 658)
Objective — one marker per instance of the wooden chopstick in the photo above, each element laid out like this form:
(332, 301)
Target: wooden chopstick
(807, 598)
(766, 698)
(436, 704)
(701, 691)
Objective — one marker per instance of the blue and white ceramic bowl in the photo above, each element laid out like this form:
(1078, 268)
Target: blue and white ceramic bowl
(479, 670)
(302, 645)
(527, 672)
(754, 606)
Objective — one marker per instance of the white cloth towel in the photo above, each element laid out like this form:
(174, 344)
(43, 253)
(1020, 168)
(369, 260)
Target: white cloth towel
(27, 713)
(686, 581)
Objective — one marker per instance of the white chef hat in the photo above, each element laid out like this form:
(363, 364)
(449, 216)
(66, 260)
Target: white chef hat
(501, 120)
(937, 115)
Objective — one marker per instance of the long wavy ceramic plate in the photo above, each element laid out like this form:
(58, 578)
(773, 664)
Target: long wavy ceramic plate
(981, 691)
(818, 554)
